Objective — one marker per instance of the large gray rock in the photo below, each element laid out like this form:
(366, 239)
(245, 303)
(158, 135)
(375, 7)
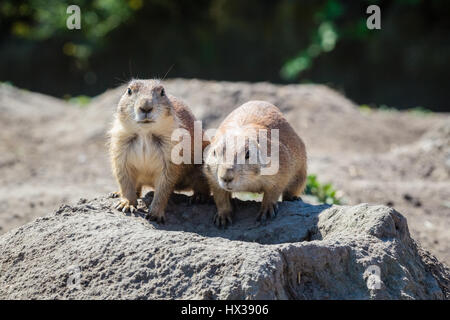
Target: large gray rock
(91, 251)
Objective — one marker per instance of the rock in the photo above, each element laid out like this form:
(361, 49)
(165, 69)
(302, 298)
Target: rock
(91, 251)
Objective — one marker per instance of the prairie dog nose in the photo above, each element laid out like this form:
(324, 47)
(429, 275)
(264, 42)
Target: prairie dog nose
(227, 175)
(145, 109)
(145, 106)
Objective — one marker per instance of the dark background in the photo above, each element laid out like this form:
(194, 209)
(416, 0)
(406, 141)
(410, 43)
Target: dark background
(403, 65)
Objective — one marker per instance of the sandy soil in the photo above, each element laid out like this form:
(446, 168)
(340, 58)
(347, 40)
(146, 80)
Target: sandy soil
(53, 152)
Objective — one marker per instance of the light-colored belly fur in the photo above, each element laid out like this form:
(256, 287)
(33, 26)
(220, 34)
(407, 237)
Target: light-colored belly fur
(147, 158)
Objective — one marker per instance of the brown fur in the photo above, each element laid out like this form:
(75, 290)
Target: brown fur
(288, 182)
(140, 153)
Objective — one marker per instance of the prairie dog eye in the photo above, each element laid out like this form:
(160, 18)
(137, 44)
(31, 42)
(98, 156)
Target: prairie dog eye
(163, 93)
(129, 91)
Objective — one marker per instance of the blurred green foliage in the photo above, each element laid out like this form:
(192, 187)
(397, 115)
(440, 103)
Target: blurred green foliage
(43, 19)
(418, 111)
(80, 101)
(330, 28)
(39, 20)
(325, 193)
(321, 41)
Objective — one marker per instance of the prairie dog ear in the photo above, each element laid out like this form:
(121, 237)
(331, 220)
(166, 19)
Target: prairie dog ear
(133, 87)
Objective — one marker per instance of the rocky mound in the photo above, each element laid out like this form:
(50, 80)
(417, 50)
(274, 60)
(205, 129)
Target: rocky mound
(91, 251)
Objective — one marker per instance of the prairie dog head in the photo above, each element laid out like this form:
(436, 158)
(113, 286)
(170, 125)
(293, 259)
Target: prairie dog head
(145, 105)
(234, 160)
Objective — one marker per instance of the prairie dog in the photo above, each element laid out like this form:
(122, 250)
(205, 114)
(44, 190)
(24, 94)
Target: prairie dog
(140, 148)
(226, 177)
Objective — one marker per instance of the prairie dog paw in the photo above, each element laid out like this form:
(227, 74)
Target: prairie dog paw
(124, 205)
(160, 219)
(291, 198)
(153, 215)
(222, 218)
(268, 211)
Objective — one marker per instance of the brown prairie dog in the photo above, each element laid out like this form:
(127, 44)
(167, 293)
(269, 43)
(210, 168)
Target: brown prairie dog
(140, 148)
(227, 175)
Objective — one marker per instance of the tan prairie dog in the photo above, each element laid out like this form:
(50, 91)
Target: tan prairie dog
(140, 147)
(228, 174)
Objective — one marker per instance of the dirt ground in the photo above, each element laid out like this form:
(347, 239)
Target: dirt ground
(53, 152)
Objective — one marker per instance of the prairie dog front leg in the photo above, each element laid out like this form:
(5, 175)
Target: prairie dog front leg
(222, 199)
(164, 187)
(269, 206)
(127, 185)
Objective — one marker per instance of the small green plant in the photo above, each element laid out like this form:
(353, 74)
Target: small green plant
(386, 108)
(80, 101)
(420, 111)
(324, 192)
(7, 83)
(365, 108)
